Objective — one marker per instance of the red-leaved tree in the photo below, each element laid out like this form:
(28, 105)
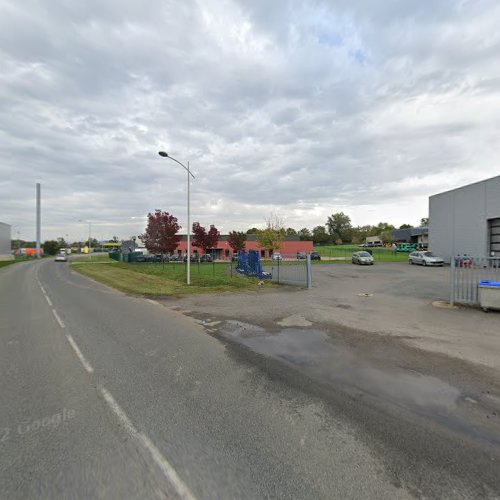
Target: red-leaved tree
(237, 240)
(203, 239)
(161, 233)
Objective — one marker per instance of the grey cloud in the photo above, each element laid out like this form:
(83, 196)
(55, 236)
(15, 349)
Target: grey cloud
(277, 105)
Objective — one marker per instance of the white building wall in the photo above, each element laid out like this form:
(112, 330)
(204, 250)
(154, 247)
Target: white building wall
(5, 235)
(459, 219)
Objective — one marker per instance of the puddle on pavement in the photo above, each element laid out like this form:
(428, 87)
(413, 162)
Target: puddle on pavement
(313, 352)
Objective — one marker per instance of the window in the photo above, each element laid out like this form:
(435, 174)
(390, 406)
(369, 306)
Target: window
(227, 252)
(263, 254)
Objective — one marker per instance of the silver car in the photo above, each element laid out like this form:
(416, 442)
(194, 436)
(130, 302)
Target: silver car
(425, 259)
(61, 257)
(362, 258)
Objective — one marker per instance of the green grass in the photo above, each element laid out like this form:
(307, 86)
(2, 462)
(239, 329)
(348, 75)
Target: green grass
(346, 251)
(166, 280)
(95, 257)
(4, 263)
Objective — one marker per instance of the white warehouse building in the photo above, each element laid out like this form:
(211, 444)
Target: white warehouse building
(466, 220)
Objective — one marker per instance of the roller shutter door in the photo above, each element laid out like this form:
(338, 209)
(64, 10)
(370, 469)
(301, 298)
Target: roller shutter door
(495, 236)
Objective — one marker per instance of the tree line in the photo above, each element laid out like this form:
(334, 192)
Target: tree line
(161, 234)
(338, 229)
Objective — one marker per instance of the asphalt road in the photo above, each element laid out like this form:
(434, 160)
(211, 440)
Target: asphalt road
(104, 395)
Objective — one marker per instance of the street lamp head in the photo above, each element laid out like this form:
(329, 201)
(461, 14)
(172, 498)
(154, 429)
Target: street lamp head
(162, 153)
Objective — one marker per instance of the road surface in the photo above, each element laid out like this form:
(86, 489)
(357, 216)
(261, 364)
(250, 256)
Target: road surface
(104, 395)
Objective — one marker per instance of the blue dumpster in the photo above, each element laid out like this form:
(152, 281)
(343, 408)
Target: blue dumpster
(489, 294)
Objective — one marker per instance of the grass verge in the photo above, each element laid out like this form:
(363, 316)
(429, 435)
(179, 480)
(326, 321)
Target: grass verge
(166, 280)
(5, 263)
(346, 251)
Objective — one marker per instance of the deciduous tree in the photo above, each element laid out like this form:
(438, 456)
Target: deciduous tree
(274, 233)
(206, 240)
(305, 234)
(161, 235)
(339, 227)
(237, 240)
(51, 247)
(320, 235)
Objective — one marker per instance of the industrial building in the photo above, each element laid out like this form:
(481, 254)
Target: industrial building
(5, 240)
(466, 220)
(290, 246)
(417, 235)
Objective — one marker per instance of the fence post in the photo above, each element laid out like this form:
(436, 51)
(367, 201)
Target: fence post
(278, 271)
(452, 280)
(309, 271)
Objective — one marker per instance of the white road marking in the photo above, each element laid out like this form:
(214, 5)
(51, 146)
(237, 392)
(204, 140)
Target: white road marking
(81, 357)
(180, 487)
(48, 300)
(153, 302)
(59, 320)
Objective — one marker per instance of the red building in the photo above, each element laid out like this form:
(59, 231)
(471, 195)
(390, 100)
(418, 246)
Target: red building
(289, 247)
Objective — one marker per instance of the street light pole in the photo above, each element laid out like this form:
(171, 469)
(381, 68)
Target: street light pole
(166, 155)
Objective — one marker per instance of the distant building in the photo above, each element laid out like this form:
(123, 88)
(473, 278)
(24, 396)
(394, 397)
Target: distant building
(5, 241)
(466, 220)
(289, 246)
(373, 240)
(417, 235)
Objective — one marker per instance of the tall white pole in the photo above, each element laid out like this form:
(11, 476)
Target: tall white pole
(188, 230)
(90, 240)
(38, 219)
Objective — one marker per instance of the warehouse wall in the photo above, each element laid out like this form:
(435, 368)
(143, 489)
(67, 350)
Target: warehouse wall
(5, 252)
(459, 219)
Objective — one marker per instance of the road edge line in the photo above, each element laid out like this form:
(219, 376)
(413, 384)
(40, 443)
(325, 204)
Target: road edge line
(180, 487)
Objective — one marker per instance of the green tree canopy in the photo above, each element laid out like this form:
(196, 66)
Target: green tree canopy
(339, 227)
(320, 235)
(51, 247)
(305, 234)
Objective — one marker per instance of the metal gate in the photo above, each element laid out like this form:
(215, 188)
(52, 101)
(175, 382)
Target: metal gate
(290, 269)
(465, 274)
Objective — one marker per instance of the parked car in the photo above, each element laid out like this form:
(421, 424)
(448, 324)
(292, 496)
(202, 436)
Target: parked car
(315, 256)
(206, 257)
(362, 258)
(160, 258)
(175, 258)
(61, 257)
(276, 256)
(425, 259)
(234, 258)
(301, 255)
(194, 258)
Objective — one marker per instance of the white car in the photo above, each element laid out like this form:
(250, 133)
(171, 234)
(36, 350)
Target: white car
(362, 258)
(425, 259)
(61, 257)
(276, 256)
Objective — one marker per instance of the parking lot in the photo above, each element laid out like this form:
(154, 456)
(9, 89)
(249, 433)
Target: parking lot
(390, 299)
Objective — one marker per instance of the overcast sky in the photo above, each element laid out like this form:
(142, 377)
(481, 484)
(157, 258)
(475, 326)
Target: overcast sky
(301, 108)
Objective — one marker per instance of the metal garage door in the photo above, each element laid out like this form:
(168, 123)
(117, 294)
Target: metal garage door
(494, 236)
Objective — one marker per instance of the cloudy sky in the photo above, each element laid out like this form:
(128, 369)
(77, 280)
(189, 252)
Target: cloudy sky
(303, 108)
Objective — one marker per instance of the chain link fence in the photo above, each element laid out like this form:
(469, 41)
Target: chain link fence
(290, 269)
